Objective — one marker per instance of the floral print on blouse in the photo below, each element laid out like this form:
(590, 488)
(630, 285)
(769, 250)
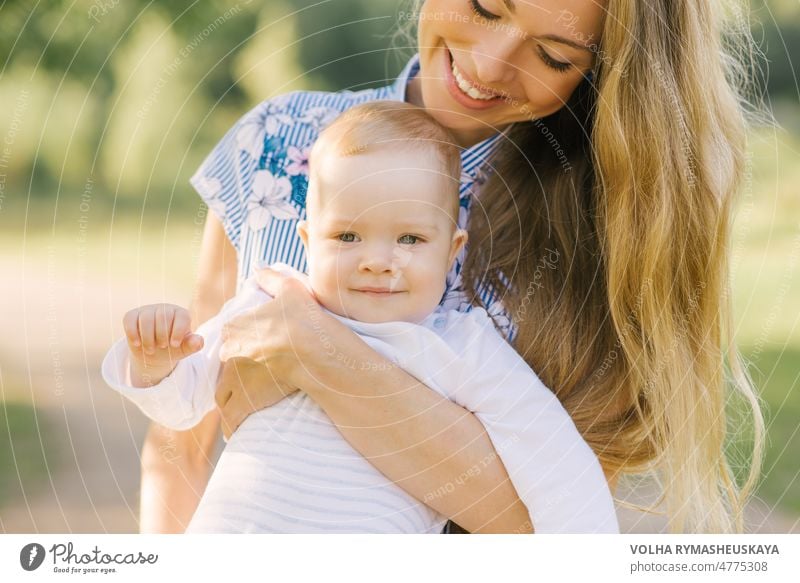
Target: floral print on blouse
(255, 181)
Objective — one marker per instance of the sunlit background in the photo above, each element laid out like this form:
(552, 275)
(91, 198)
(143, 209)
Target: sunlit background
(106, 109)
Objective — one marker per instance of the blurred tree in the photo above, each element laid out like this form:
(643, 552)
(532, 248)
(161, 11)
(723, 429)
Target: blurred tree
(137, 84)
(84, 87)
(348, 44)
(81, 37)
(776, 29)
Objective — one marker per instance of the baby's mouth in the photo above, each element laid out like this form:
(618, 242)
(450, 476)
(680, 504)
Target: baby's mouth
(378, 291)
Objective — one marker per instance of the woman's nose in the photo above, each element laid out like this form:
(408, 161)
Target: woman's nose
(493, 59)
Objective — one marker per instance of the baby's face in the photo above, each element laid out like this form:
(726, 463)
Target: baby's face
(381, 236)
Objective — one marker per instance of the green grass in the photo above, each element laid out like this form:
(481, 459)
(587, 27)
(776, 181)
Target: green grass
(777, 374)
(22, 461)
(766, 297)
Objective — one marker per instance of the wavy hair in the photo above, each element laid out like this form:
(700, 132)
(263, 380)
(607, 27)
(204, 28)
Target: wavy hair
(632, 327)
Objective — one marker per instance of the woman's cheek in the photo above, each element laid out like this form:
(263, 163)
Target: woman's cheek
(449, 19)
(547, 91)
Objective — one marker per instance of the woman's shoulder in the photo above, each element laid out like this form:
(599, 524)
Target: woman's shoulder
(258, 170)
(312, 108)
(292, 119)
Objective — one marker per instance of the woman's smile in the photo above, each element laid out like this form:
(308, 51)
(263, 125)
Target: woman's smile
(487, 64)
(463, 90)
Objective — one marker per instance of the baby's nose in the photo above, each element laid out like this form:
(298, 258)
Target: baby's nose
(381, 258)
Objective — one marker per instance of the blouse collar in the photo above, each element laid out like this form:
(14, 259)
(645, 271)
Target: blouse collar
(397, 91)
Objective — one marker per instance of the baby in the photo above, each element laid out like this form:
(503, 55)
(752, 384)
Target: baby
(381, 236)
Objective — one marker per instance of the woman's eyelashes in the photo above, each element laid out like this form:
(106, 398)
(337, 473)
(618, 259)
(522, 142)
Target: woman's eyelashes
(559, 66)
(552, 63)
(478, 9)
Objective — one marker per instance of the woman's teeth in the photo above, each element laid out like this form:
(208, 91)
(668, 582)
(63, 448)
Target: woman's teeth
(468, 88)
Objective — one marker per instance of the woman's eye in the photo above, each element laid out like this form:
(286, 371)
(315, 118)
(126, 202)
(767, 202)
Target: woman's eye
(559, 66)
(554, 64)
(408, 239)
(347, 237)
(481, 11)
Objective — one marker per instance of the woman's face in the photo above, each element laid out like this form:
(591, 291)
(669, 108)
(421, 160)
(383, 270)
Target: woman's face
(488, 63)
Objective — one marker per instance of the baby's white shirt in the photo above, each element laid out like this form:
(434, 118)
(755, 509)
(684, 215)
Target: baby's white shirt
(288, 468)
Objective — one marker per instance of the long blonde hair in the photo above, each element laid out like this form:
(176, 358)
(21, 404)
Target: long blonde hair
(630, 325)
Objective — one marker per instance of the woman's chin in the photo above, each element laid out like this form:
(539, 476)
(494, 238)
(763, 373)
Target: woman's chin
(456, 121)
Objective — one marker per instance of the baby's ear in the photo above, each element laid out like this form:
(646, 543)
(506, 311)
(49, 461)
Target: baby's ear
(302, 232)
(459, 240)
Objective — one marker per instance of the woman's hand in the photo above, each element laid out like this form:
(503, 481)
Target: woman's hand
(244, 387)
(275, 349)
(285, 334)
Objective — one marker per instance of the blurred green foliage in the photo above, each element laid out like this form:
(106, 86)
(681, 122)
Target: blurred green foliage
(776, 29)
(126, 97)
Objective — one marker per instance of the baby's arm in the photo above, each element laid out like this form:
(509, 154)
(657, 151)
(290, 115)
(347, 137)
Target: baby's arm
(179, 395)
(554, 471)
(173, 386)
(159, 336)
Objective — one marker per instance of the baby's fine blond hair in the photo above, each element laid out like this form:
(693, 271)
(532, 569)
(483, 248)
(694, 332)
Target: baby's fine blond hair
(396, 125)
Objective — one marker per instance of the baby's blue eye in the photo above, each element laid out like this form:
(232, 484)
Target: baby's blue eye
(347, 237)
(408, 239)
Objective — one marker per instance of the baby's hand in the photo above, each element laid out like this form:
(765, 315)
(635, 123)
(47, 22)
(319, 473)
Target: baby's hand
(159, 335)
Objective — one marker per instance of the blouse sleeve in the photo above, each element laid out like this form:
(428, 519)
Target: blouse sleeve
(225, 178)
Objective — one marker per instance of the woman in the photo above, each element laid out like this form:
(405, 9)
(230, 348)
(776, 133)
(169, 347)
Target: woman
(621, 150)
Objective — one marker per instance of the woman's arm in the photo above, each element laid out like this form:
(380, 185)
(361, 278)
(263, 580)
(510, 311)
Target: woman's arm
(176, 465)
(431, 447)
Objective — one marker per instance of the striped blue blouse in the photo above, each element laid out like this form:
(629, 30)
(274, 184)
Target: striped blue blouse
(255, 180)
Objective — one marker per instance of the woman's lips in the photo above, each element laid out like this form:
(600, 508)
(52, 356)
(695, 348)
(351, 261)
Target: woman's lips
(457, 94)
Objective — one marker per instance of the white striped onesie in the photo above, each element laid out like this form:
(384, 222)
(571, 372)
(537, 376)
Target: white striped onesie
(287, 469)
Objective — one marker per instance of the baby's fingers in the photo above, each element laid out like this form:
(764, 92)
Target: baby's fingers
(181, 326)
(163, 320)
(147, 329)
(191, 344)
(130, 324)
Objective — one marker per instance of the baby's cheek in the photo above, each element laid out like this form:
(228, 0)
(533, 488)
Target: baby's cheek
(325, 289)
(434, 283)
(325, 273)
